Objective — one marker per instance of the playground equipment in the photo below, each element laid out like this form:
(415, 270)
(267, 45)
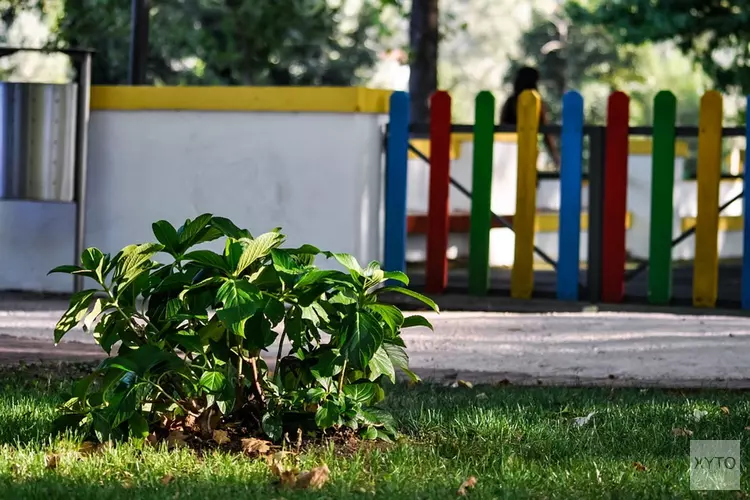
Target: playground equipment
(607, 187)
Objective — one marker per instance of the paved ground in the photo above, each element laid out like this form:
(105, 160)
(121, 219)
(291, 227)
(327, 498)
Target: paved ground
(577, 348)
(636, 289)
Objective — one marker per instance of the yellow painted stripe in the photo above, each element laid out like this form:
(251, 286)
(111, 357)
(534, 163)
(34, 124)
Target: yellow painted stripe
(550, 222)
(522, 274)
(726, 223)
(706, 270)
(637, 146)
(284, 99)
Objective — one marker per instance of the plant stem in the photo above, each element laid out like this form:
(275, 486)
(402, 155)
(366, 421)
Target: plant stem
(256, 379)
(278, 355)
(341, 378)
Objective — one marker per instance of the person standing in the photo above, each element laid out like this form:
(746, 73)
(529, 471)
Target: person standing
(527, 78)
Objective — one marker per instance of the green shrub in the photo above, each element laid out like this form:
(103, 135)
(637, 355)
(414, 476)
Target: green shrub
(194, 334)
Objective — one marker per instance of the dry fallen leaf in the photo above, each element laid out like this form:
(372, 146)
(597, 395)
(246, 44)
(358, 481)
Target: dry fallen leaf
(679, 431)
(176, 439)
(252, 446)
(88, 448)
(166, 479)
(190, 421)
(639, 466)
(463, 490)
(724, 410)
(581, 421)
(462, 383)
(152, 439)
(699, 414)
(51, 460)
(313, 479)
(221, 437)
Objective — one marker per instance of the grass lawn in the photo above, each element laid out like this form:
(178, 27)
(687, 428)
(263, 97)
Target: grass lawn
(518, 443)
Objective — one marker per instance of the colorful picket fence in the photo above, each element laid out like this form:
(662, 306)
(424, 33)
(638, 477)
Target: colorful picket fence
(613, 254)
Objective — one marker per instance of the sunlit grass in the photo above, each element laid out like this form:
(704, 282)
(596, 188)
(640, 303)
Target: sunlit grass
(518, 442)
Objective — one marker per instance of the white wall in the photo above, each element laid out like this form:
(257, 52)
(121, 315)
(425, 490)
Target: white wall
(317, 175)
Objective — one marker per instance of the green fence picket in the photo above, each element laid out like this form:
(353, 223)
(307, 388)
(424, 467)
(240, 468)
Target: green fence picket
(481, 195)
(662, 188)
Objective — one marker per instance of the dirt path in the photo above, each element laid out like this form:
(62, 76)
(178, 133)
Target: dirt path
(569, 348)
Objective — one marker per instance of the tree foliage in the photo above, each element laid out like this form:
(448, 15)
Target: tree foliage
(227, 42)
(716, 33)
(570, 56)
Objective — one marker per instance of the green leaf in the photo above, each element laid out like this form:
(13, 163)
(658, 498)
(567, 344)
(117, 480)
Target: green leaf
(166, 234)
(106, 332)
(327, 415)
(272, 426)
(283, 262)
(364, 337)
(317, 275)
(397, 276)
(92, 315)
(361, 393)
(213, 280)
(134, 260)
(348, 261)
(229, 229)
(81, 387)
(77, 310)
(416, 320)
(208, 258)
(257, 249)
(371, 433)
(388, 313)
(192, 231)
(66, 269)
(381, 364)
(213, 330)
(329, 364)
(400, 359)
(91, 259)
(138, 426)
(411, 293)
(274, 311)
(374, 272)
(240, 301)
(213, 381)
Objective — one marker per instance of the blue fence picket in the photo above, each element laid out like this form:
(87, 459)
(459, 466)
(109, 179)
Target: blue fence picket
(571, 171)
(397, 156)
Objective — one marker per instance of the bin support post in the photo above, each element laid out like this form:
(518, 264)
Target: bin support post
(83, 68)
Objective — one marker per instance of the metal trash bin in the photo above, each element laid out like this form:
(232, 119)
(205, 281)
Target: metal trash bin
(38, 141)
(43, 140)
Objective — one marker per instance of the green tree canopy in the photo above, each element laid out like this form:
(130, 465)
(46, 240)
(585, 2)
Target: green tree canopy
(226, 42)
(716, 33)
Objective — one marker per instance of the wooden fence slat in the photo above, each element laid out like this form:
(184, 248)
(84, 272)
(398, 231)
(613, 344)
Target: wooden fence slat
(706, 267)
(522, 274)
(571, 171)
(436, 269)
(397, 146)
(615, 198)
(481, 194)
(662, 193)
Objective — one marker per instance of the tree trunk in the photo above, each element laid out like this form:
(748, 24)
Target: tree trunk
(423, 41)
